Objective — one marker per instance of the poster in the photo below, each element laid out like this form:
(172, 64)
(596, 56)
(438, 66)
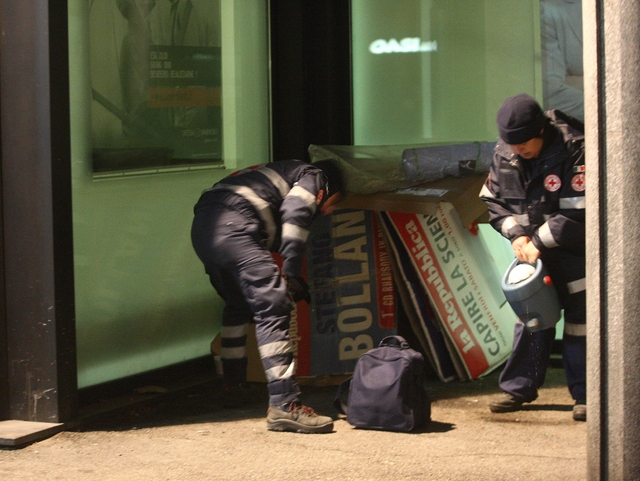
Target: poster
(352, 289)
(453, 272)
(155, 83)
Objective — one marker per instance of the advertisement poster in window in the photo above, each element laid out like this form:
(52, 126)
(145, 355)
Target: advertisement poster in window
(155, 83)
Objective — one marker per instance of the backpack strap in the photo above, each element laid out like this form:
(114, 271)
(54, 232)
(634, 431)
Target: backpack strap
(341, 407)
(395, 341)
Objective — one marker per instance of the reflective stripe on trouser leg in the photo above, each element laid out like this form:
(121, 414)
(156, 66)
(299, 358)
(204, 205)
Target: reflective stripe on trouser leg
(574, 341)
(280, 368)
(568, 274)
(233, 353)
(235, 324)
(266, 292)
(232, 242)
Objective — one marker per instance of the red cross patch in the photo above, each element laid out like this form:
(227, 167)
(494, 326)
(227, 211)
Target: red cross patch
(552, 183)
(577, 183)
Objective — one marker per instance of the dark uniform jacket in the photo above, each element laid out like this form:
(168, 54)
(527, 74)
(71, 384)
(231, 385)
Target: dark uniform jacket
(541, 198)
(281, 196)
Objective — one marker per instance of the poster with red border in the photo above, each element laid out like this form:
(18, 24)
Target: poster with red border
(417, 307)
(479, 330)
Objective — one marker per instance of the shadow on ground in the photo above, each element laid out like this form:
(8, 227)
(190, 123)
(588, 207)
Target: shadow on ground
(203, 403)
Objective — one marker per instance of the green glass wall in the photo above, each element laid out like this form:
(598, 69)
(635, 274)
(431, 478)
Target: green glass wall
(437, 70)
(142, 298)
(423, 71)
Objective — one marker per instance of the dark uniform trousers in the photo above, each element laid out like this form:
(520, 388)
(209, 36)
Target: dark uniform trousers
(244, 273)
(526, 368)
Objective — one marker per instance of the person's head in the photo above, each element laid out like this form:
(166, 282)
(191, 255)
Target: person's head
(521, 124)
(335, 185)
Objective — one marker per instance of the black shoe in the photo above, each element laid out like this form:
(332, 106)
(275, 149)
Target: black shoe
(298, 419)
(505, 403)
(580, 411)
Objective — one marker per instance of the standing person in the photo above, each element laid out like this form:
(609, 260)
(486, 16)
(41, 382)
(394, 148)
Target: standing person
(562, 70)
(238, 223)
(535, 196)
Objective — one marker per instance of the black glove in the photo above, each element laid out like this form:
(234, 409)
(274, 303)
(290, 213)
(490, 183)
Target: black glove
(298, 288)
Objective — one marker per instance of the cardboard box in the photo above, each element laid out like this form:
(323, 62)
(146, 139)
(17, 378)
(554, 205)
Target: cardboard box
(460, 192)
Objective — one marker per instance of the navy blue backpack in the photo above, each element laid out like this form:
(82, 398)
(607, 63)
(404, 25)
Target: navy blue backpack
(386, 390)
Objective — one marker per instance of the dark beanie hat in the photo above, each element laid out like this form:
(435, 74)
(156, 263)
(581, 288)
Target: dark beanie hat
(334, 175)
(520, 119)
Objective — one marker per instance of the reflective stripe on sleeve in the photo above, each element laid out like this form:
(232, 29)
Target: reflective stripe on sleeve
(573, 202)
(290, 231)
(507, 225)
(544, 232)
(302, 193)
(485, 192)
(276, 179)
(577, 286)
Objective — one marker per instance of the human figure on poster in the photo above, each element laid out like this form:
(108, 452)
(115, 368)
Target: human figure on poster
(535, 196)
(562, 69)
(238, 223)
(152, 23)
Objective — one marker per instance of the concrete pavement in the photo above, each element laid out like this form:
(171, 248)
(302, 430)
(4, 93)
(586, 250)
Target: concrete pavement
(190, 437)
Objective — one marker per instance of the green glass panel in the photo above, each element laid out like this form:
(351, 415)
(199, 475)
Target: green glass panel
(437, 70)
(143, 300)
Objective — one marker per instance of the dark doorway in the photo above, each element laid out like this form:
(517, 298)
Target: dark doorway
(311, 76)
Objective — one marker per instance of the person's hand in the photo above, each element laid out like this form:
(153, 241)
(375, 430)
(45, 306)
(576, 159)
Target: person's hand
(518, 247)
(530, 253)
(298, 288)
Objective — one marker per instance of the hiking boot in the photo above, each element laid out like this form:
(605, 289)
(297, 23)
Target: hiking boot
(505, 403)
(238, 396)
(580, 411)
(298, 419)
